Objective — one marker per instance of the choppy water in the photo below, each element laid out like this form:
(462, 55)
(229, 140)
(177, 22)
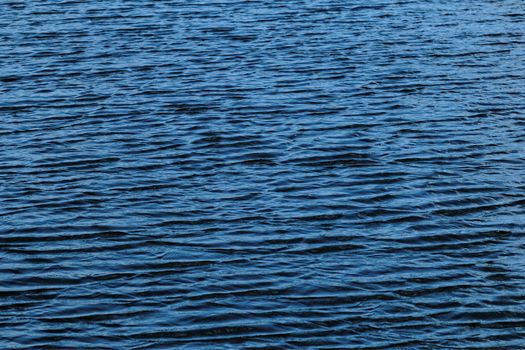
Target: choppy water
(262, 174)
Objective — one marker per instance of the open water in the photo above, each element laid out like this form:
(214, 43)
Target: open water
(235, 174)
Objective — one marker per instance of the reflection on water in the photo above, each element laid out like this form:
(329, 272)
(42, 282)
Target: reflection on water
(247, 174)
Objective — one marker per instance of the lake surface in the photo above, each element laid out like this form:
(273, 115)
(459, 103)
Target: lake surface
(262, 174)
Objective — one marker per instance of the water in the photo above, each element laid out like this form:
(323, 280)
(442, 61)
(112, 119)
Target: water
(262, 174)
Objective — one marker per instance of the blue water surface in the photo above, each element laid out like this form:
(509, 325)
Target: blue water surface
(235, 174)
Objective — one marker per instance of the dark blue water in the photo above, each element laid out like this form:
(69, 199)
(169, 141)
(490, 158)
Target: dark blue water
(262, 174)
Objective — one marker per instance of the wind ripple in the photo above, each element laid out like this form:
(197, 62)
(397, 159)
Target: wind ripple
(262, 174)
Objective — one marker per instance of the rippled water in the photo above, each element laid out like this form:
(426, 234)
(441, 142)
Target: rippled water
(320, 174)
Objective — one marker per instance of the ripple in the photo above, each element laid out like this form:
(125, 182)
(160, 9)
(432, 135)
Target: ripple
(262, 175)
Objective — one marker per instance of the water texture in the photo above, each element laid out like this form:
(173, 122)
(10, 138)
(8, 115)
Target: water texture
(315, 174)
